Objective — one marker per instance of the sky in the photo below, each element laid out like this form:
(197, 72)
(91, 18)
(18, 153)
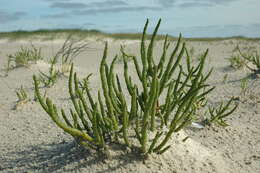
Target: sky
(192, 18)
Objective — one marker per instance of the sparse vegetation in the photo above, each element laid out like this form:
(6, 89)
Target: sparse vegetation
(218, 114)
(252, 57)
(22, 97)
(52, 34)
(65, 56)
(148, 119)
(70, 49)
(244, 86)
(237, 62)
(225, 78)
(23, 57)
(50, 78)
(46, 34)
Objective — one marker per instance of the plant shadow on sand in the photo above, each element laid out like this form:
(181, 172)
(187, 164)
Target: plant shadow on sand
(252, 76)
(64, 157)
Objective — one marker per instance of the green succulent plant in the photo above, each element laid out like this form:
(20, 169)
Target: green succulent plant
(164, 99)
(24, 57)
(22, 97)
(217, 114)
(253, 57)
(50, 78)
(21, 94)
(237, 62)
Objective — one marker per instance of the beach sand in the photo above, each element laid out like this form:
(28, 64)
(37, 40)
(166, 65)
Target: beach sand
(31, 142)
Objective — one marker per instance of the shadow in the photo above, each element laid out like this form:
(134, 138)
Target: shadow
(65, 157)
(43, 158)
(252, 76)
(227, 69)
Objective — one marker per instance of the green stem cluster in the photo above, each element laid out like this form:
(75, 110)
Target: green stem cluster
(154, 118)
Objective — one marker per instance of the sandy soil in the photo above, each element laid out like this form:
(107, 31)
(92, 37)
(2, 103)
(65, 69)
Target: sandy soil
(30, 141)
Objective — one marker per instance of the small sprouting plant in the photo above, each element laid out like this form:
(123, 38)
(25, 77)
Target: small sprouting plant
(244, 86)
(23, 57)
(50, 78)
(225, 78)
(251, 56)
(237, 62)
(218, 114)
(160, 103)
(22, 97)
(21, 94)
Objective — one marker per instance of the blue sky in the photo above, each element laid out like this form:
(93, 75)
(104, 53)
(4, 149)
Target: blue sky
(193, 18)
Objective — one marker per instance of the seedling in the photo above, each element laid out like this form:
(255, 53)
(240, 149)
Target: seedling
(218, 114)
(50, 78)
(225, 78)
(251, 56)
(22, 97)
(244, 86)
(237, 62)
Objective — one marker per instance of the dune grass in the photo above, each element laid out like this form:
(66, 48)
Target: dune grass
(51, 34)
(46, 34)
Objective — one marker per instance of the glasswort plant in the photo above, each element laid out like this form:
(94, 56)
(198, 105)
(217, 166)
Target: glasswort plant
(149, 119)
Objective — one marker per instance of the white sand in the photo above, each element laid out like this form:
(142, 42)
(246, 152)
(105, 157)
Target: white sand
(30, 141)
